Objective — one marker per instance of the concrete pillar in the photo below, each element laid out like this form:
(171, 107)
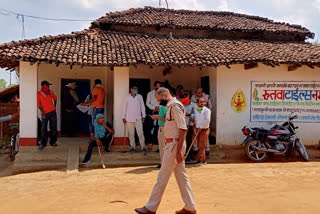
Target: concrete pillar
(28, 104)
(121, 90)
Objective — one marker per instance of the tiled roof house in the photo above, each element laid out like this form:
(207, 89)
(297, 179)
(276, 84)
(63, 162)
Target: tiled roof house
(231, 49)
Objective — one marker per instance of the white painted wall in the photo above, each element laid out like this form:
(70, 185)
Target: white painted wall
(121, 90)
(229, 123)
(54, 75)
(28, 100)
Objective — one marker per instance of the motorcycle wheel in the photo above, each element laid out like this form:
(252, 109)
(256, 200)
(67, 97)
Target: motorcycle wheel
(253, 154)
(302, 150)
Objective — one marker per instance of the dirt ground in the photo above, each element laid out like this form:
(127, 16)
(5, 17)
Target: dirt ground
(219, 189)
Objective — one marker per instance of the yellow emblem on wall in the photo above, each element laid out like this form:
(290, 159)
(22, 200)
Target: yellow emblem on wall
(238, 101)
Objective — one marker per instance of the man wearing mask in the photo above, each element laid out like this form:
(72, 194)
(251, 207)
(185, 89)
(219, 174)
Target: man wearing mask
(207, 101)
(69, 108)
(153, 108)
(202, 117)
(173, 158)
(97, 101)
(133, 117)
(47, 101)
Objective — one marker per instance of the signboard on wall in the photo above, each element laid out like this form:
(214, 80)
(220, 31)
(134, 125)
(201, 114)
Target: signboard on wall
(273, 101)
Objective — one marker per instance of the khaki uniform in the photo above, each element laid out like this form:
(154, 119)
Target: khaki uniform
(161, 141)
(175, 120)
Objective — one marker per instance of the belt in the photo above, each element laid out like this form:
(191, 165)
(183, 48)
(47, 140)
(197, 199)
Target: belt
(170, 140)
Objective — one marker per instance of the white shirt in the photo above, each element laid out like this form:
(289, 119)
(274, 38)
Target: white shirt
(151, 100)
(202, 118)
(190, 109)
(133, 108)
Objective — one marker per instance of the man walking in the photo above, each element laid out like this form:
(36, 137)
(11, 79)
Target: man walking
(47, 101)
(173, 158)
(102, 136)
(133, 116)
(202, 122)
(97, 101)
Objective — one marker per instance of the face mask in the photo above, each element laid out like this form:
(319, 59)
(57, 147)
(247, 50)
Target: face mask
(199, 108)
(45, 89)
(163, 102)
(135, 92)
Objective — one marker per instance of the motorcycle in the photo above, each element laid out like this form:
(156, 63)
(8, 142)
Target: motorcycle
(282, 139)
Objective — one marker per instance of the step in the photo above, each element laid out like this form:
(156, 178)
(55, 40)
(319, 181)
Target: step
(117, 148)
(46, 149)
(39, 156)
(118, 159)
(27, 167)
(73, 159)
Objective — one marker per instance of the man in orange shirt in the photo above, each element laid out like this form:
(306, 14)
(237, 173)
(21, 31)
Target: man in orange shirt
(47, 102)
(97, 101)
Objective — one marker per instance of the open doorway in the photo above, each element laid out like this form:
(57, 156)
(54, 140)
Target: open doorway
(81, 120)
(143, 86)
(205, 84)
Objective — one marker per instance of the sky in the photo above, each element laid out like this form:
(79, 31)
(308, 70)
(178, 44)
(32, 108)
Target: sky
(301, 12)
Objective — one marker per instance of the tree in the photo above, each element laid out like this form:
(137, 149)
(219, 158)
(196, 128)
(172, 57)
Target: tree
(3, 84)
(9, 86)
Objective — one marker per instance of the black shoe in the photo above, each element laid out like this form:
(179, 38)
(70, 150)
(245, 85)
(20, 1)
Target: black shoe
(107, 151)
(159, 166)
(157, 151)
(55, 144)
(188, 160)
(85, 162)
(132, 150)
(41, 147)
(144, 150)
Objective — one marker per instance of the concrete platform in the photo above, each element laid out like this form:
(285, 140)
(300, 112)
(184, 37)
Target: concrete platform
(71, 151)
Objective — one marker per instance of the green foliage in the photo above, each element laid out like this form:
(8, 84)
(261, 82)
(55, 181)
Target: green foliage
(9, 86)
(3, 84)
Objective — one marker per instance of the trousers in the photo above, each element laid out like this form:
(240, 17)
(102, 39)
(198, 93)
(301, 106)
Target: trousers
(132, 126)
(195, 145)
(202, 141)
(51, 118)
(168, 166)
(161, 141)
(105, 141)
